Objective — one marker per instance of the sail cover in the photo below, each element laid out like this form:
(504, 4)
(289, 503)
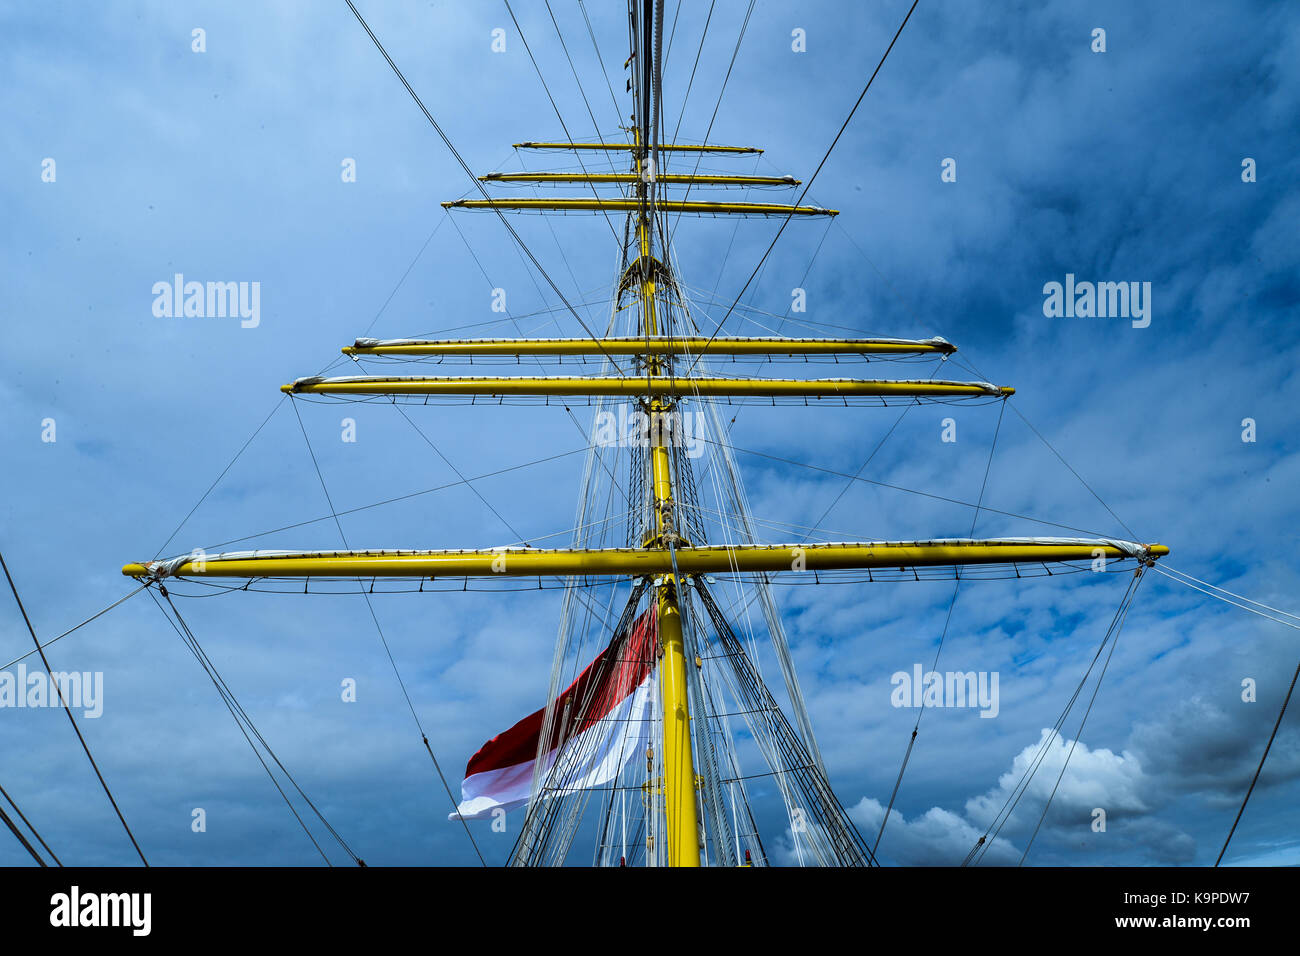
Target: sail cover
(601, 722)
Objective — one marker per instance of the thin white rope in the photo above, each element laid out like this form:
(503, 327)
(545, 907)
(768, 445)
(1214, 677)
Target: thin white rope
(1225, 600)
(1224, 590)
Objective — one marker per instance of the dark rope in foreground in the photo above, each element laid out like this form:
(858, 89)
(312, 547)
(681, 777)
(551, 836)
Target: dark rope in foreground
(67, 710)
(1254, 780)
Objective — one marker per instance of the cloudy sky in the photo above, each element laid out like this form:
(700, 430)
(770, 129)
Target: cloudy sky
(1122, 165)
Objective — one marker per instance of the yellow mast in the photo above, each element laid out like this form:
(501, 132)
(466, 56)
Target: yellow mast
(663, 555)
(678, 766)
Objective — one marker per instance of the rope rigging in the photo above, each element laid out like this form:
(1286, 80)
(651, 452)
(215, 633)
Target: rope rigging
(67, 710)
(1047, 805)
(808, 185)
(788, 745)
(744, 25)
(245, 724)
(21, 838)
(384, 640)
(1009, 805)
(556, 108)
(934, 665)
(469, 172)
(95, 616)
(18, 833)
(1264, 756)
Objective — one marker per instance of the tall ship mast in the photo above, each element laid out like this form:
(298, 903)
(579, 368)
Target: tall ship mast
(644, 750)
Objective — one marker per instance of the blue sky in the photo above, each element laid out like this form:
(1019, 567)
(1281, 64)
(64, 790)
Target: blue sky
(225, 165)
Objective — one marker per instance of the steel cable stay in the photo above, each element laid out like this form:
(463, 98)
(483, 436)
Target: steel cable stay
(68, 710)
(1021, 787)
(695, 66)
(400, 282)
(382, 639)
(807, 186)
(1172, 573)
(569, 621)
(672, 32)
(465, 166)
(1226, 598)
(279, 403)
(527, 49)
(735, 231)
(966, 363)
(572, 758)
(760, 589)
(613, 479)
(553, 781)
(550, 310)
(756, 775)
(468, 484)
(744, 25)
(512, 318)
(245, 724)
(76, 627)
(818, 799)
(601, 60)
(19, 834)
(217, 480)
(22, 838)
(388, 501)
(585, 102)
(911, 491)
(564, 258)
(583, 630)
(728, 486)
(669, 527)
(771, 748)
(943, 635)
(558, 784)
(1210, 590)
(518, 538)
(802, 281)
(1263, 757)
(39, 649)
(1254, 607)
(1078, 733)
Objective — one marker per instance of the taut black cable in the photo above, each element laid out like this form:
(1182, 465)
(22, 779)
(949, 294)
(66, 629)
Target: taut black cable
(67, 710)
(469, 172)
(28, 823)
(21, 839)
(1255, 779)
(808, 185)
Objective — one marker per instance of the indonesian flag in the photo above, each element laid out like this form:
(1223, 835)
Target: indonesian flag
(600, 722)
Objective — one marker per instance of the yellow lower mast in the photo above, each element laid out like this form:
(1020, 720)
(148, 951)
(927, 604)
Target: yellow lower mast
(683, 842)
(663, 554)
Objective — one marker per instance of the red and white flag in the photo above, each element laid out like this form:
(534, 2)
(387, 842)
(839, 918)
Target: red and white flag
(608, 710)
